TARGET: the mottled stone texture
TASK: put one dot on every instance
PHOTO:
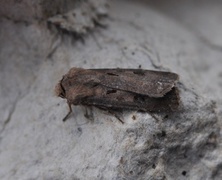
(36, 144)
(32, 10)
(81, 19)
(39, 10)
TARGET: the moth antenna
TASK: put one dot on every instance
(70, 111)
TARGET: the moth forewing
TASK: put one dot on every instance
(145, 82)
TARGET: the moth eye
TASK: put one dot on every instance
(112, 74)
(110, 91)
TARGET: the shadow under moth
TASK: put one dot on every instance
(118, 89)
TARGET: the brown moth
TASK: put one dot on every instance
(114, 89)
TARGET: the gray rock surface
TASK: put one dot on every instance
(36, 144)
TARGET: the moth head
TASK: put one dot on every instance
(59, 90)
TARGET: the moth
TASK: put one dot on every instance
(119, 89)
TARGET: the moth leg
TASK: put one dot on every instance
(111, 112)
(116, 116)
(88, 115)
(154, 116)
(70, 111)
